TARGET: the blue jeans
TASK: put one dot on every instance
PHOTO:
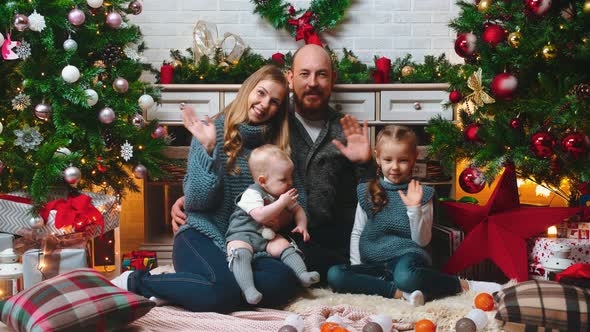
(407, 273)
(203, 281)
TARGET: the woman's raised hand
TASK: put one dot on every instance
(414, 195)
(203, 131)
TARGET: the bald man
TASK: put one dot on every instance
(331, 151)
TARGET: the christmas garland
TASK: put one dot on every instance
(303, 23)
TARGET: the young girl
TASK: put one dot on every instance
(217, 172)
(393, 224)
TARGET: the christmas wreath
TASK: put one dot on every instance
(303, 23)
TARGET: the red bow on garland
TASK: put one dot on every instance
(77, 212)
(305, 30)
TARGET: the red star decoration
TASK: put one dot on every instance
(499, 229)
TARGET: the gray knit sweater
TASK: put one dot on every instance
(209, 189)
(387, 234)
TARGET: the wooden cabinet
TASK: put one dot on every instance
(376, 103)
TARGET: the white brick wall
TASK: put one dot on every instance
(389, 28)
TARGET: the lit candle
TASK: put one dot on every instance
(552, 232)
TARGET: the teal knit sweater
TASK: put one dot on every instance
(387, 234)
(210, 190)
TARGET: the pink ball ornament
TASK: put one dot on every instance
(574, 145)
(455, 96)
(471, 180)
(542, 144)
(494, 34)
(538, 7)
(120, 85)
(465, 44)
(504, 86)
(138, 121)
(21, 22)
(76, 17)
(135, 7)
(140, 171)
(159, 132)
(114, 20)
(106, 115)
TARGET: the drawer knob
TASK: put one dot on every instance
(417, 106)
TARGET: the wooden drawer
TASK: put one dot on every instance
(359, 104)
(228, 97)
(400, 105)
(204, 103)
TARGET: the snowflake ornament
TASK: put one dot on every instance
(23, 50)
(21, 102)
(131, 51)
(28, 138)
(126, 151)
(36, 21)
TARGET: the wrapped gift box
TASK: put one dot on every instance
(16, 216)
(38, 266)
(539, 249)
(140, 260)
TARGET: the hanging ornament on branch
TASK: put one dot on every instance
(542, 144)
(479, 96)
(465, 44)
(574, 145)
(538, 7)
(76, 17)
(21, 22)
(504, 86)
(36, 22)
(472, 180)
(514, 39)
(494, 34)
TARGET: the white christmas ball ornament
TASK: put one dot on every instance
(145, 102)
(91, 97)
(479, 317)
(106, 115)
(72, 175)
(94, 3)
(70, 74)
(296, 321)
(1, 38)
(70, 45)
(36, 222)
(383, 320)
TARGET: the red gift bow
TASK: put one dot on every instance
(75, 211)
(305, 30)
(278, 58)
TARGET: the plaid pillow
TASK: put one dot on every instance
(76, 300)
(547, 304)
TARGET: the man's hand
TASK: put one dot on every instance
(414, 195)
(178, 217)
(358, 148)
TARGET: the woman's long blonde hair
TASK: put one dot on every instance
(394, 133)
(236, 113)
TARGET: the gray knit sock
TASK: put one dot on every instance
(241, 266)
(292, 259)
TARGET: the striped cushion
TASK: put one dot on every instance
(547, 304)
(76, 300)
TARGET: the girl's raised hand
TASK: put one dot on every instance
(414, 195)
(204, 132)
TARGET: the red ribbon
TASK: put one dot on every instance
(75, 211)
(304, 29)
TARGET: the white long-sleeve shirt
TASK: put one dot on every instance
(420, 227)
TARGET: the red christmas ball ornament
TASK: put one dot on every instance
(465, 44)
(574, 145)
(471, 180)
(542, 144)
(493, 34)
(504, 86)
(538, 7)
(455, 96)
(516, 123)
(470, 133)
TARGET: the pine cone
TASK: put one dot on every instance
(582, 91)
(112, 54)
(109, 139)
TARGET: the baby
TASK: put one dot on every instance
(257, 209)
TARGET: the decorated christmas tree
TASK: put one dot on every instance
(70, 99)
(522, 96)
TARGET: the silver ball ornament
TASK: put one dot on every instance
(120, 85)
(140, 171)
(372, 327)
(106, 115)
(91, 97)
(70, 45)
(465, 325)
(159, 132)
(114, 20)
(146, 102)
(36, 222)
(62, 152)
(72, 175)
(287, 328)
(43, 111)
(21, 22)
(70, 74)
(94, 3)
(135, 7)
(76, 17)
(138, 121)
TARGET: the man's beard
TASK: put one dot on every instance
(311, 112)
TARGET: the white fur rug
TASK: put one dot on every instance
(444, 312)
